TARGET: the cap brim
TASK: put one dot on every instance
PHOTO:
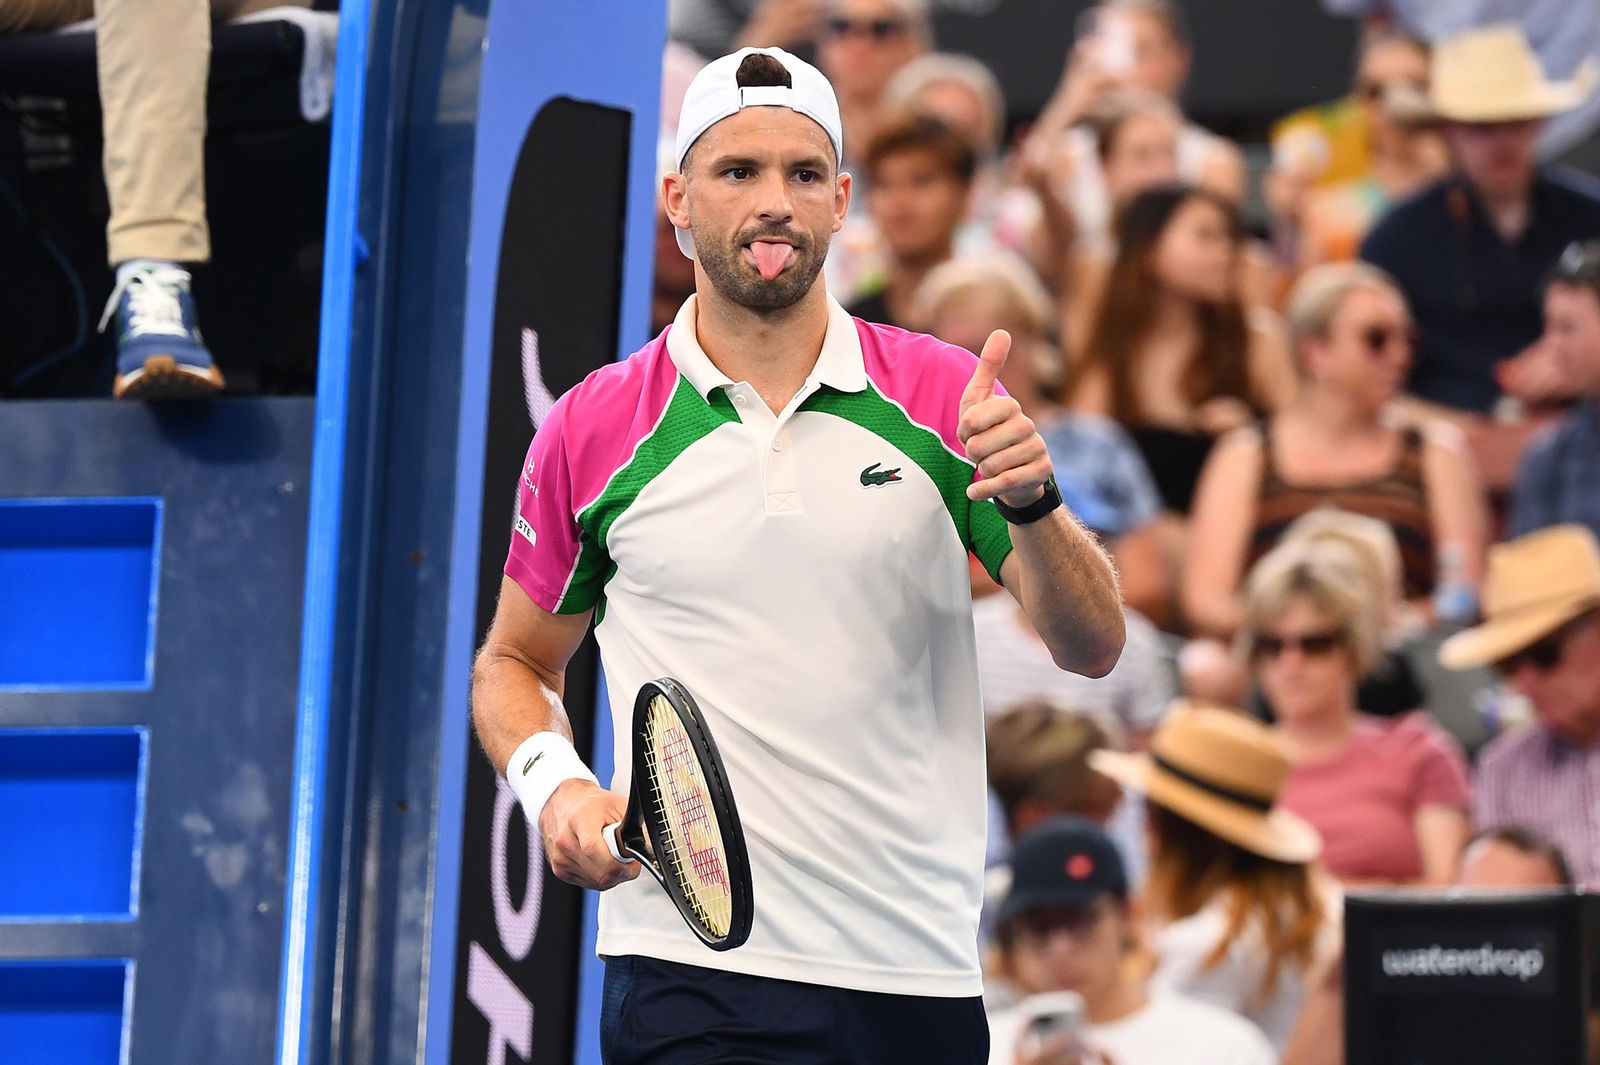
(1276, 834)
(1502, 637)
(1062, 896)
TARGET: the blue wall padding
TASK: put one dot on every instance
(55, 1012)
(77, 578)
(69, 817)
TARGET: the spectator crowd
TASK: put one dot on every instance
(1347, 460)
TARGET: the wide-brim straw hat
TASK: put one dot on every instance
(1492, 74)
(1223, 771)
(1535, 584)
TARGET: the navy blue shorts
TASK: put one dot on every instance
(663, 1013)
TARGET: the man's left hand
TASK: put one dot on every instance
(1002, 441)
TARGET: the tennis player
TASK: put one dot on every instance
(773, 503)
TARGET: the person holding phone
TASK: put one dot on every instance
(1067, 926)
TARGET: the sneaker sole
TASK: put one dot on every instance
(162, 377)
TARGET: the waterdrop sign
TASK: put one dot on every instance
(1456, 961)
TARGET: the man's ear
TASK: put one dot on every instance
(843, 188)
(674, 190)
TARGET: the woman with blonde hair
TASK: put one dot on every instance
(1099, 471)
(1388, 795)
(1239, 912)
(1342, 442)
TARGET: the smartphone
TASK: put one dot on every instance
(1052, 1015)
(1111, 36)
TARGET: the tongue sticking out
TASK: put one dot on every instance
(771, 258)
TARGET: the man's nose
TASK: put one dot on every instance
(774, 203)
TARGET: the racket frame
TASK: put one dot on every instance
(642, 835)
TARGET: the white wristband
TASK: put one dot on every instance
(539, 766)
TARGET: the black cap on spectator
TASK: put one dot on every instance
(1065, 863)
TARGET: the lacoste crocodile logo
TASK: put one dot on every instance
(531, 763)
(872, 477)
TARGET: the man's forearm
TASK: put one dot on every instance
(512, 700)
(1068, 588)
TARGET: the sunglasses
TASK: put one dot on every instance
(879, 29)
(1374, 90)
(1379, 339)
(1544, 655)
(1311, 645)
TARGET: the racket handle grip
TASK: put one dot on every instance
(610, 834)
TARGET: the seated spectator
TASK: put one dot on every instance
(1239, 913)
(1101, 475)
(964, 94)
(154, 60)
(1556, 480)
(1067, 925)
(919, 177)
(1038, 756)
(1339, 444)
(1326, 222)
(1471, 252)
(959, 91)
(861, 44)
(1170, 353)
(1128, 44)
(1511, 856)
(1038, 759)
(1541, 631)
(1389, 796)
(1330, 143)
(1014, 665)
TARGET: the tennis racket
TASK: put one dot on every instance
(681, 823)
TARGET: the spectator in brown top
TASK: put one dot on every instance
(1340, 444)
(919, 174)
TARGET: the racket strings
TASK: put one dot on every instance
(684, 803)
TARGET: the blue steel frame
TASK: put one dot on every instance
(529, 60)
(304, 940)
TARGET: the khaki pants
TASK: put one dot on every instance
(153, 59)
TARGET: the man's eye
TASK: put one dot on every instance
(805, 176)
(739, 173)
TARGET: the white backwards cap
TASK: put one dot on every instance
(715, 94)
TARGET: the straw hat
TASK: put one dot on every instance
(1491, 74)
(1223, 771)
(1535, 584)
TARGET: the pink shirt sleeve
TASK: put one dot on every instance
(546, 543)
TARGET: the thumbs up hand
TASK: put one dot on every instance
(1000, 440)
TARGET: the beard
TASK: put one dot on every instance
(736, 279)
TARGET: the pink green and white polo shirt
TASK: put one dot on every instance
(804, 575)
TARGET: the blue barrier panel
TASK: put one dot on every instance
(80, 583)
(59, 1012)
(70, 805)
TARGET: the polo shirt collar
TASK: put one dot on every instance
(840, 364)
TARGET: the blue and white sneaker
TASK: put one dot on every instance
(159, 351)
